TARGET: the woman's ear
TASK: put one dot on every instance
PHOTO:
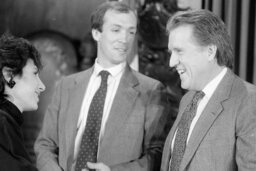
(7, 73)
(8, 76)
(96, 34)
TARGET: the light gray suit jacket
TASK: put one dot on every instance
(224, 138)
(134, 133)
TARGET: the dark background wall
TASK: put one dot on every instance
(71, 17)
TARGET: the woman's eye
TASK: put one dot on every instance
(36, 73)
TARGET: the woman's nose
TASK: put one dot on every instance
(41, 85)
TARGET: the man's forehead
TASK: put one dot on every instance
(116, 18)
(110, 13)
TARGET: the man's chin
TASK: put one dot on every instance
(184, 85)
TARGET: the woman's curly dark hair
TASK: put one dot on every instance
(14, 53)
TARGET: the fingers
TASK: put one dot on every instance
(98, 166)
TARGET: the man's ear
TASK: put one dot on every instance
(7, 73)
(96, 34)
(212, 51)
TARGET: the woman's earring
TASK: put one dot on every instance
(11, 83)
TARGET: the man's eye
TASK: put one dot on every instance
(115, 30)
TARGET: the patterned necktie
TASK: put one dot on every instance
(89, 144)
(183, 130)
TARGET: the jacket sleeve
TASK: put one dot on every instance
(156, 128)
(246, 134)
(46, 145)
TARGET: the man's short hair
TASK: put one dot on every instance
(208, 29)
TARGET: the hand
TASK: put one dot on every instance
(98, 166)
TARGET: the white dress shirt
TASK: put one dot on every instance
(208, 90)
(113, 81)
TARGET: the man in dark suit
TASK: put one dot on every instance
(217, 132)
(131, 131)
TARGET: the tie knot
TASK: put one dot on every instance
(198, 95)
(104, 75)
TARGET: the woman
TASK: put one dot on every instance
(20, 87)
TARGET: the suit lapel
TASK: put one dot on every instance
(75, 97)
(168, 144)
(212, 110)
(122, 105)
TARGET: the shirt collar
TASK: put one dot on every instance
(114, 71)
(212, 85)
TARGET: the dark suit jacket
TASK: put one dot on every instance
(13, 155)
(133, 138)
(224, 138)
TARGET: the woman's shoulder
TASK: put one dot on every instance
(10, 146)
(6, 119)
(5, 129)
(9, 129)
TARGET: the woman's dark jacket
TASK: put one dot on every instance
(13, 155)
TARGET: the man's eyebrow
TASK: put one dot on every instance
(116, 25)
(119, 25)
(176, 49)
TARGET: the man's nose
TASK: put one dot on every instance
(174, 60)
